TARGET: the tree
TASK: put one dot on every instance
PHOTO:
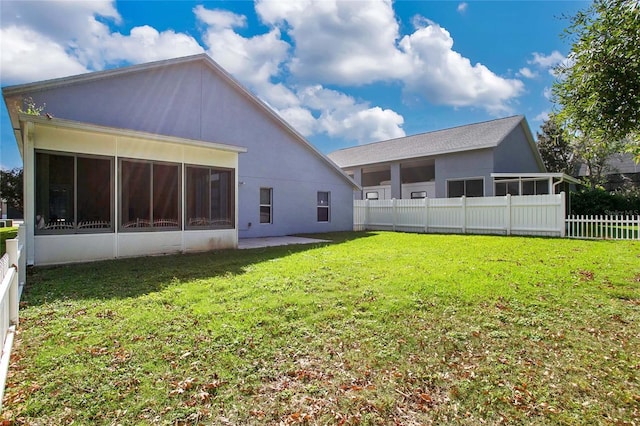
(11, 187)
(557, 153)
(598, 90)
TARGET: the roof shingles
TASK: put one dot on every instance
(487, 134)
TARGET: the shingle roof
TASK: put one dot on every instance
(617, 163)
(487, 134)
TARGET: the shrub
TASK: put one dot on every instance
(597, 201)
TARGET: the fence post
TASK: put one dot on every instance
(394, 214)
(425, 217)
(561, 215)
(463, 199)
(508, 214)
(12, 251)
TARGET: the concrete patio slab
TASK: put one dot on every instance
(251, 243)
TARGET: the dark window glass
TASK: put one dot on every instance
(474, 188)
(73, 193)
(542, 187)
(455, 188)
(210, 198)
(94, 193)
(528, 187)
(501, 189)
(323, 206)
(150, 195)
(166, 196)
(135, 202)
(265, 205)
(513, 188)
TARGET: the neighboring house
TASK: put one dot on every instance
(170, 156)
(620, 170)
(482, 159)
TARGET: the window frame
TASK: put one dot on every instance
(465, 180)
(75, 228)
(269, 206)
(231, 194)
(152, 226)
(321, 206)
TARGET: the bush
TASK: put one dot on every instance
(597, 201)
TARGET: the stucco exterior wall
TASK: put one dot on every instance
(190, 100)
(463, 165)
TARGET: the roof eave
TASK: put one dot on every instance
(76, 125)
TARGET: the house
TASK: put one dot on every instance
(620, 171)
(482, 159)
(169, 156)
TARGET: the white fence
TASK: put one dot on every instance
(12, 274)
(542, 215)
(604, 227)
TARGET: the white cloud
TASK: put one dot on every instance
(547, 61)
(340, 115)
(254, 60)
(343, 43)
(543, 116)
(29, 56)
(527, 73)
(57, 38)
(339, 42)
(443, 76)
(547, 93)
(462, 7)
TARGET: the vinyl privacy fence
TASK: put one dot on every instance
(538, 215)
(12, 275)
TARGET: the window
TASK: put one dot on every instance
(73, 193)
(266, 200)
(372, 195)
(521, 187)
(210, 198)
(150, 195)
(418, 195)
(324, 201)
(466, 187)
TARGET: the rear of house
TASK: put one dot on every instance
(157, 135)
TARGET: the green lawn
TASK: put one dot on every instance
(375, 328)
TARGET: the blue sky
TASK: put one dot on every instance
(341, 72)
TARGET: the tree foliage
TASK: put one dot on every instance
(11, 187)
(557, 153)
(598, 89)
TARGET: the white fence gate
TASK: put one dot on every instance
(604, 227)
(542, 215)
(12, 274)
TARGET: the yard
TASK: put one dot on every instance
(374, 328)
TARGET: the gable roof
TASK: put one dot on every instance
(12, 94)
(487, 134)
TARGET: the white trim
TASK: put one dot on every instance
(566, 178)
(113, 131)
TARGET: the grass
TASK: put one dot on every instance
(6, 234)
(374, 328)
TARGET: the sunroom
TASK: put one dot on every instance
(94, 192)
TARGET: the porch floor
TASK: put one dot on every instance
(251, 243)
